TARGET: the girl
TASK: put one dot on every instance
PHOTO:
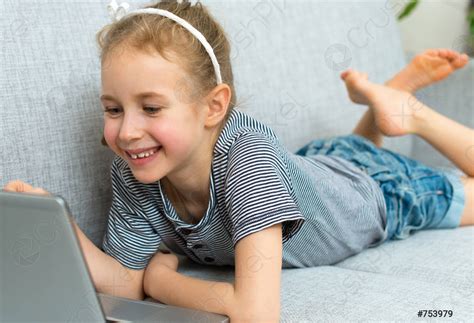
(217, 186)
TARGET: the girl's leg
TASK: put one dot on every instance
(398, 113)
(452, 139)
(426, 68)
(367, 128)
(442, 133)
(467, 217)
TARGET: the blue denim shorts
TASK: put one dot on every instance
(416, 196)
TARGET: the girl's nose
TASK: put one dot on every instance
(130, 129)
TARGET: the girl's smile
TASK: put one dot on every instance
(145, 157)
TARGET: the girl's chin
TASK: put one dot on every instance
(145, 178)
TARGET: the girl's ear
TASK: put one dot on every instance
(217, 104)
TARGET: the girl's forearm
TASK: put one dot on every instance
(173, 288)
(108, 275)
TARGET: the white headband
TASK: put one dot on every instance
(117, 12)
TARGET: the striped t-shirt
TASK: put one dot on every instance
(329, 208)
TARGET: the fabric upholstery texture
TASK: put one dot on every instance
(287, 57)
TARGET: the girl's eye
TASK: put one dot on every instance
(115, 111)
(111, 111)
(152, 110)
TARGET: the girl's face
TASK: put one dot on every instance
(145, 108)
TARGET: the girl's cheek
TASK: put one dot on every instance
(173, 136)
(110, 134)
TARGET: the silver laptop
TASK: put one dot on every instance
(44, 278)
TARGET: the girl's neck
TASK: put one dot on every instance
(189, 191)
(191, 186)
(189, 211)
(195, 198)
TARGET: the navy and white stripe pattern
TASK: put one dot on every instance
(329, 209)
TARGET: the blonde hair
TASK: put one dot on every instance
(149, 31)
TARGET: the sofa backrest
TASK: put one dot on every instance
(287, 58)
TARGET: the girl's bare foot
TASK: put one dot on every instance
(395, 111)
(426, 68)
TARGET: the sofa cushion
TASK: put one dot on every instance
(444, 257)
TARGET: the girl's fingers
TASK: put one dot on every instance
(17, 186)
(22, 187)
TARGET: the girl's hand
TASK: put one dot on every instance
(22, 187)
(169, 260)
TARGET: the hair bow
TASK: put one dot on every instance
(116, 11)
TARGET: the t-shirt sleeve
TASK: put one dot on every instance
(129, 236)
(258, 190)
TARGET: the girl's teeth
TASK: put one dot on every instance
(142, 155)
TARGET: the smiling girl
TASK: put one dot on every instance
(214, 184)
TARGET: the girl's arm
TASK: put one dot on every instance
(258, 261)
(110, 276)
(255, 294)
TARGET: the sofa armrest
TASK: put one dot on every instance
(454, 98)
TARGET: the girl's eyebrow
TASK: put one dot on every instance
(138, 96)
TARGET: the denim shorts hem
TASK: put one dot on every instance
(452, 218)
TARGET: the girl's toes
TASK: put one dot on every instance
(451, 52)
(431, 52)
(460, 60)
(444, 53)
(344, 74)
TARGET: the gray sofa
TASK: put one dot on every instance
(287, 57)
